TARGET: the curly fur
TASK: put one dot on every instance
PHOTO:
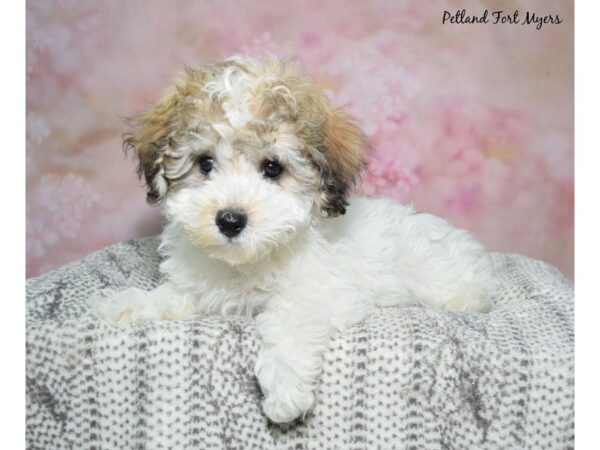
(303, 272)
(256, 96)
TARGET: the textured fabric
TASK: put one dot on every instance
(405, 378)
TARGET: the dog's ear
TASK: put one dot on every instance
(334, 140)
(343, 147)
(151, 140)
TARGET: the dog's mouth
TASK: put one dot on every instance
(236, 240)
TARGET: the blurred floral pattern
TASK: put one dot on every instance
(472, 122)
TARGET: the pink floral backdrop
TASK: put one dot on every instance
(471, 122)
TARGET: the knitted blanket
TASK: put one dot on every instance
(406, 378)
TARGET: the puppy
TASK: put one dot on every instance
(253, 164)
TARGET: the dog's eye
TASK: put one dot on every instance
(272, 169)
(206, 164)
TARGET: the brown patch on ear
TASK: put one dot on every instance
(335, 143)
(151, 140)
(343, 145)
(157, 131)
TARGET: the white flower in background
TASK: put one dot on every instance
(57, 208)
(37, 128)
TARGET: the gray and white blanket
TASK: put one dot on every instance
(406, 378)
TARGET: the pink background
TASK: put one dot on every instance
(471, 122)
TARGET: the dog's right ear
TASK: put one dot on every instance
(151, 140)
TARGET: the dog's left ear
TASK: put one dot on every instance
(343, 146)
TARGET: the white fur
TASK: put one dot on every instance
(329, 277)
(304, 277)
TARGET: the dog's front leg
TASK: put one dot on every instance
(295, 330)
(165, 302)
(289, 362)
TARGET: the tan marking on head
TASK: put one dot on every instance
(280, 100)
(159, 130)
(333, 140)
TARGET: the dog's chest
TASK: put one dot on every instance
(219, 288)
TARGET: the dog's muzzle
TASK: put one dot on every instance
(231, 222)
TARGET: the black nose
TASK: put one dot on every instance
(230, 222)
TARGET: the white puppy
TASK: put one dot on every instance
(253, 165)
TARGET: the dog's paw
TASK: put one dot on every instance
(288, 396)
(122, 308)
(286, 405)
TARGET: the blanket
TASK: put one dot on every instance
(407, 378)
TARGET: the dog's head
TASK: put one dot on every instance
(244, 154)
